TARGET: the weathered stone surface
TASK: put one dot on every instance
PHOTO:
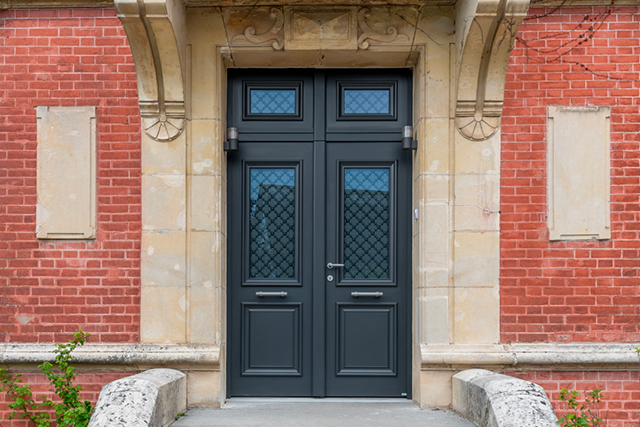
(152, 398)
(494, 400)
(66, 177)
(578, 180)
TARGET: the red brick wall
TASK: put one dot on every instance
(91, 384)
(620, 396)
(50, 289)
(570, 291)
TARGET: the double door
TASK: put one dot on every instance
(319, 233)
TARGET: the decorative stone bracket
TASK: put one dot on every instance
(155, 29)
(486, 30)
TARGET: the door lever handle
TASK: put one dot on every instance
(367, 294)
(271, 294)
(331, 265)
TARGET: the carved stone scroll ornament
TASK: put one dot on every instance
(368, 34)
(271, 36)
(486, 31)
(156, 55)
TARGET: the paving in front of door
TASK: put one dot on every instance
(320, 413)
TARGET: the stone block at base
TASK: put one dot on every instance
(493, 400)
(149, 399)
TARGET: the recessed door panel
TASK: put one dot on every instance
(272, 339)
(367, 339)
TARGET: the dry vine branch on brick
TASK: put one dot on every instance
(585, 36)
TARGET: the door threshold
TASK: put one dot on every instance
(232, 400)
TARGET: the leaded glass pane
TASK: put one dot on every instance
(272, 223)
(366, 223)
(273, 101)
(370, 101)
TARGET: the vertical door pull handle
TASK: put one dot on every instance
(271, 294)
(366, 294)
(331, 265)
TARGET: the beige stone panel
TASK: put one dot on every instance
(204, 315)
(579, 173)
(162, 314)
(206, 144)
(203, 37)
(163, 157)
(205, 255)
(203, 389)
(163, 202)
(162, 260)
(436, 26)
(476, 259)
(477, 202)
(433, 217)
(476, 316)
(66, 173)
(374, 57)
(320, 28)
(434, 309)
(434, 250)
(436, 31)
(433, 188)
(205, 25)
(477, 157)
(433, 145)
(206, 202)
(435, 389)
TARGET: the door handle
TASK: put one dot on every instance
(367, 294)
(271, 294)
(331, 265)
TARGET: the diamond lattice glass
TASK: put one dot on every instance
(273, 101)
(272, 223)
(366, 223)
(371, 101)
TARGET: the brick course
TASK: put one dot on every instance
(570, 291)
(620, 396)
(72, 57)
(91, 384)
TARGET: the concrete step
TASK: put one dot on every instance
(321, 413)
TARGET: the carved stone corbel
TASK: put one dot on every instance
(485, 32)
(155, 29)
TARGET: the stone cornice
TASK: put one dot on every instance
(184, 356)
(47, 4)
(574, 356)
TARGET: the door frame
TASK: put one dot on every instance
(320, 139)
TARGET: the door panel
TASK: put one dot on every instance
(319, 178)
(272, 339)
(367, 340)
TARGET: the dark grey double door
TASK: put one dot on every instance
(319, 179)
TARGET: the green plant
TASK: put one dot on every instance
(70, 410)
(578, 414)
